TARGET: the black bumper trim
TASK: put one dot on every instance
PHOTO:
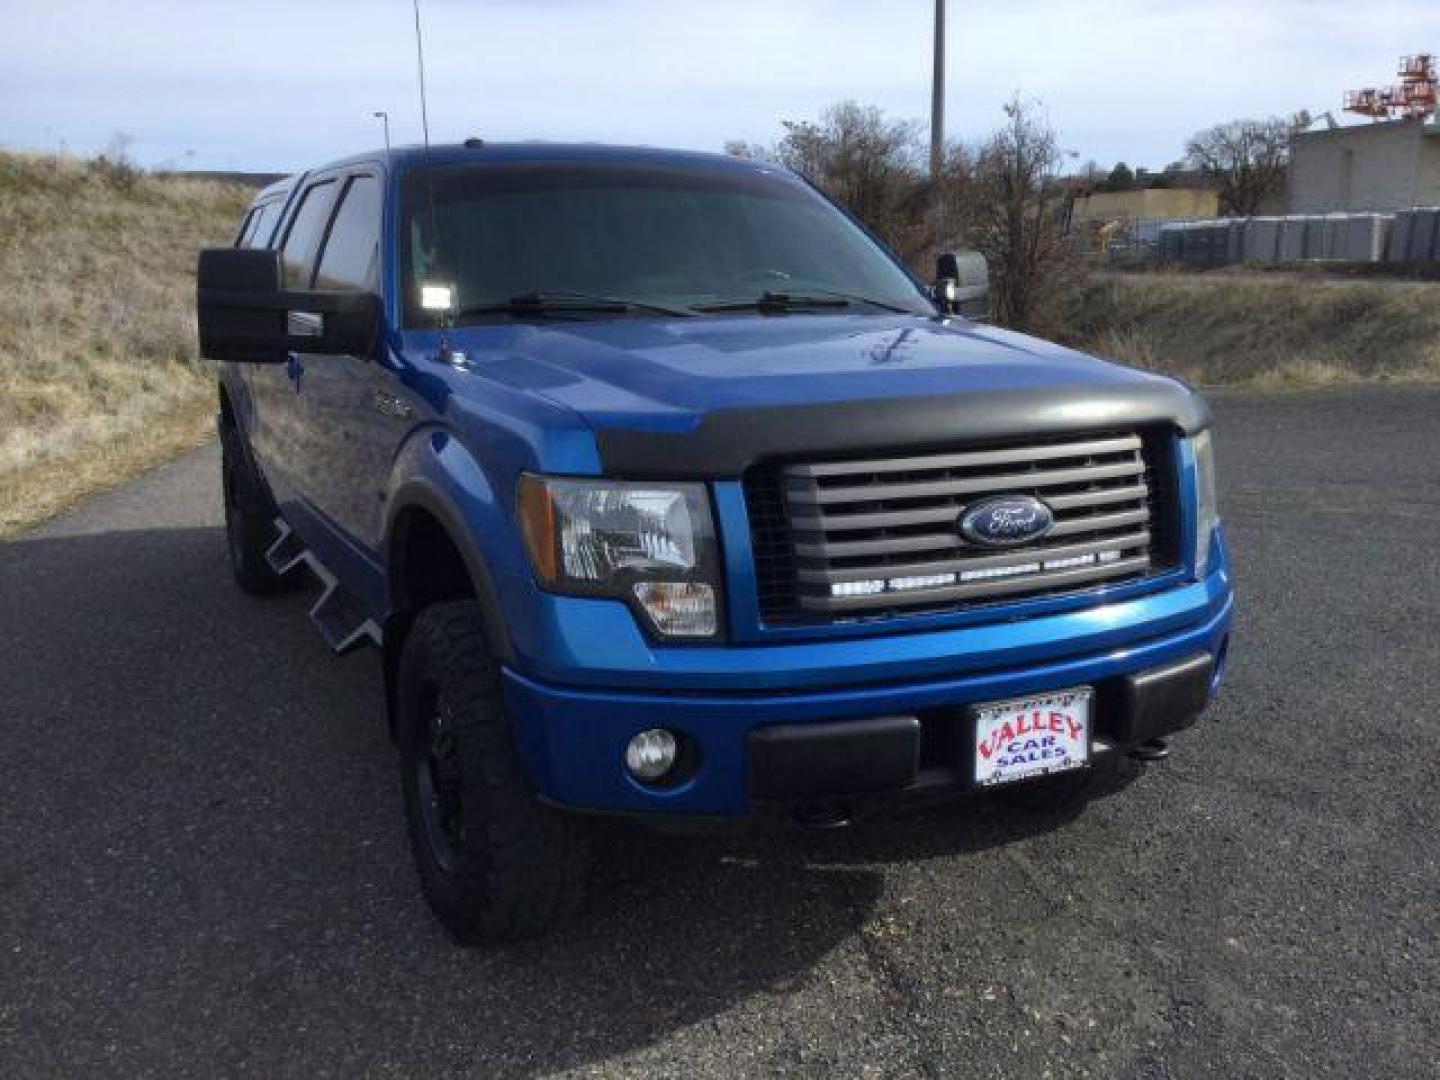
(795, 763)
(1160, 701)
(835, 761)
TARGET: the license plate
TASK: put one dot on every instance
(1034, 736)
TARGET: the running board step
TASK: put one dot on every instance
(338, 616)
(288, 550)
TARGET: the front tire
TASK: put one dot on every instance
(494, 864)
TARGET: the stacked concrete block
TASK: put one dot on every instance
(1397, 250)
(1415, 236)
(1360, 238)
(1425, 235)
(1261, 239)
(1332, 238)
(1235, 240)
(1407, 236)
(1172, 242)
(1207, 243)
(1292, 239)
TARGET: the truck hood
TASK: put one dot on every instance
(708, 396)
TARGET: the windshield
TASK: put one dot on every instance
(663, 235)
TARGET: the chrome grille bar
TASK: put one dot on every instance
(803, 494)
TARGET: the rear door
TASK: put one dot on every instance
(256, 232)
(284, 444)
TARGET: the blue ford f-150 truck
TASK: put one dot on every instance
(667, 492)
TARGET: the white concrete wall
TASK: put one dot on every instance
(1384, 166)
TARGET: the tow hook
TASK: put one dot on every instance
(824, 816)
(1154, 750)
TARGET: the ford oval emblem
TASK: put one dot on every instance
(1006, 521)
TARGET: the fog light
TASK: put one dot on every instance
(651, 754)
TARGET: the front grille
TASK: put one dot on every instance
(876, 538)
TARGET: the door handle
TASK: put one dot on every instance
(294, 369)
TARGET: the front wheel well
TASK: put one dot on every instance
(425, 568)
(227, 410)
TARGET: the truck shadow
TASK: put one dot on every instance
(213, 796)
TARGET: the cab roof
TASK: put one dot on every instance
(405, 158)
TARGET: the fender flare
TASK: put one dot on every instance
(421, 494)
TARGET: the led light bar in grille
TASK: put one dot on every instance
(936, 581)
(880, 537)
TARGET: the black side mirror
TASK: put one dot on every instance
(245, 312)
(962, 284)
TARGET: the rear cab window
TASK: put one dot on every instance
(242, 237)
(259, 224)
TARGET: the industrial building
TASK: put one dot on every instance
(1387, 165)
(1173, 202)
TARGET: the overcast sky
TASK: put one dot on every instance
(281, 84)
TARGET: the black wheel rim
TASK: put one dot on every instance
(439, 790)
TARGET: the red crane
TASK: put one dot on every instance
(1412, 98)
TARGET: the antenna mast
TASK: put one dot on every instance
(420, 63)
(444, 313)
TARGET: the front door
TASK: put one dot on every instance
(357, 412)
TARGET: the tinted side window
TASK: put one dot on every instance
(262, 225)
(242, 238)
(257, 229)
(307, 229)
(348, 261)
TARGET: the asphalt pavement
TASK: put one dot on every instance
(203, 870)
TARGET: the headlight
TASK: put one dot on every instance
(1207, 513)
(651, 545)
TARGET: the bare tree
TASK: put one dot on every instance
(1245, 159)
(1001, 198)
(873, 165)
(1010, 209)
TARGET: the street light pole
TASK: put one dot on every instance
(937, 98)
(384, 118)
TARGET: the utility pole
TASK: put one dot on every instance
(937, 98)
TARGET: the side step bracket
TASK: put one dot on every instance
(338, 616)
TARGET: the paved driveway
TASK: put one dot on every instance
(203, 870)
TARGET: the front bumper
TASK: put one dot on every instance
(572, 738)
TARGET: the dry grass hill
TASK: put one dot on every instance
(1263, 329)
(98, 369)
(99, 376)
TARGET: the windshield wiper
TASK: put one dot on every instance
(563, 300)
(812, 298)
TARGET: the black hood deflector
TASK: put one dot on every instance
(728, 441)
